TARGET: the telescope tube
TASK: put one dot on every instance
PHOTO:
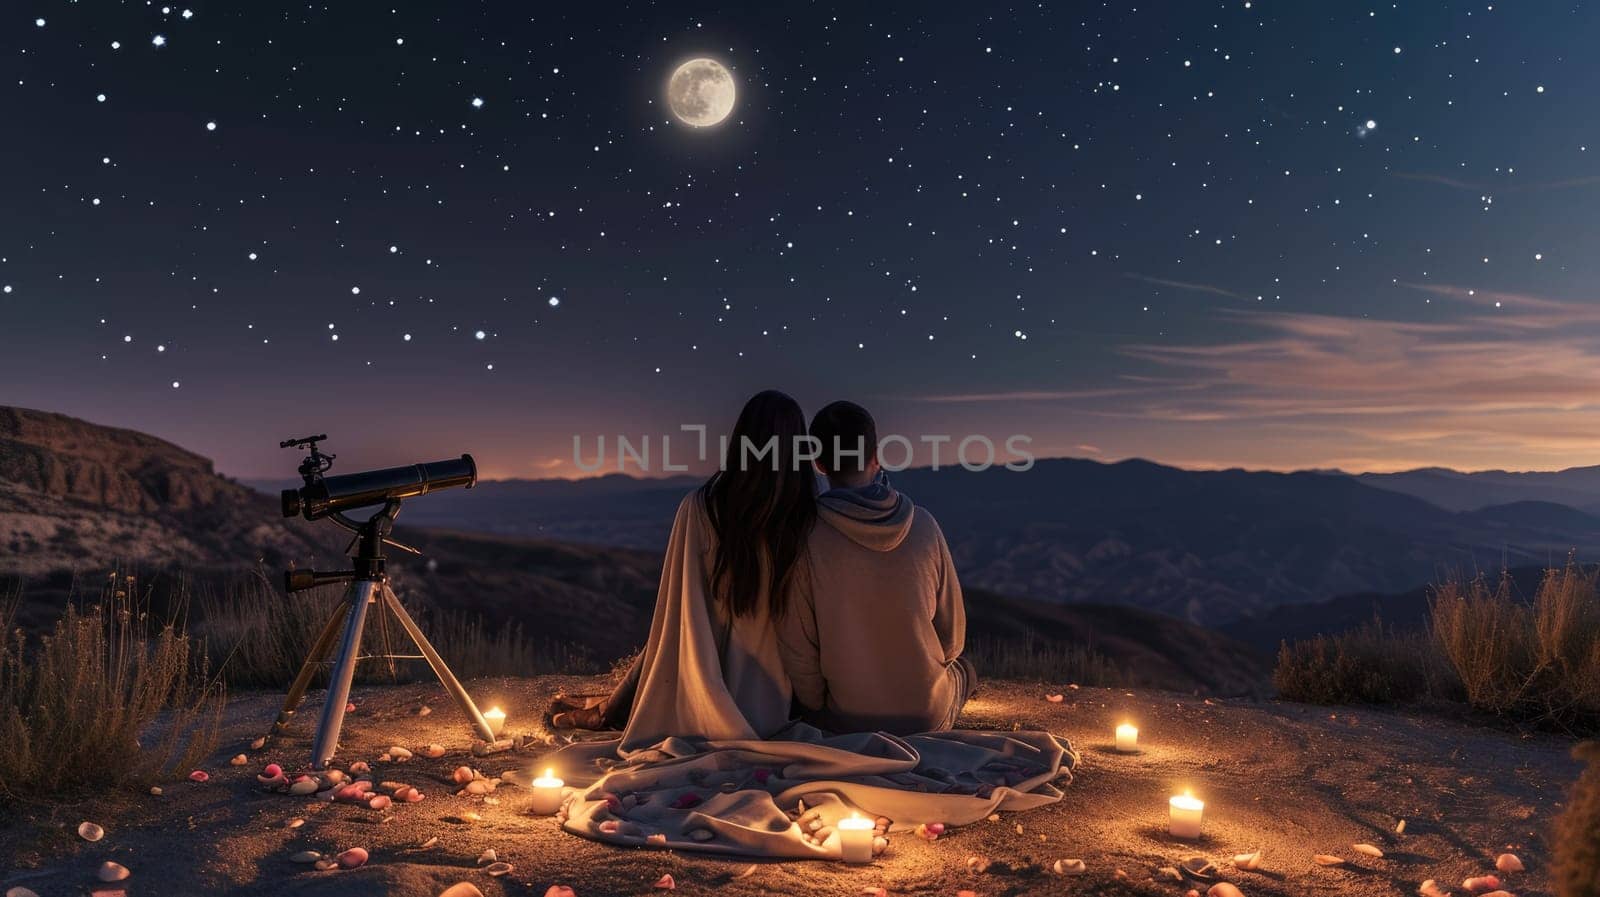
(375, 487)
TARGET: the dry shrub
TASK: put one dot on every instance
(1034, 658)
(262, 637)
(1368, 665)
(109, 697)
(1577, 844)
(1538, 663)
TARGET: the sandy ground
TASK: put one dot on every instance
(1289, 780)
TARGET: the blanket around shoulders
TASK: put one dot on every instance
(707, 761)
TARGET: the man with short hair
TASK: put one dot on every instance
(875, 626)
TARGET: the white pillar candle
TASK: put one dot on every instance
(1186, 811)
(1127, 737)
(547, 794)
(496, 718)
(855, 839)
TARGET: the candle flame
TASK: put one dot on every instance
(496, 711)
(549, 772)
(1188, 793)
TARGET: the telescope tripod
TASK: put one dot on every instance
(368, 586)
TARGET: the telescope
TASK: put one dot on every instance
(367, 585)
(322, 495)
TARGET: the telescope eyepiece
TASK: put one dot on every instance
(291, 502)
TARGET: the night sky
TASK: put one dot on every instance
(1270, 234)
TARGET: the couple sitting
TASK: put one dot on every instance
(845, 602)
(841, 609)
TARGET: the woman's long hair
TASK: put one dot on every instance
(761, 508)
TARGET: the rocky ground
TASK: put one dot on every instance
(1288, 780)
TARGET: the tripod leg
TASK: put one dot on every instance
(449, 680)
(327, 741)
(319, 651)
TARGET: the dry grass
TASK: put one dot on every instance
(1369, 665)
(261, 637)
(1040, 660)
(1535, 663)
(110, 697)
(1577, 849)
(1538, 663)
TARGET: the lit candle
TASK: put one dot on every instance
(547, 793)
(1127, 738)
(1186, 811)
(855, 839)
(496, 718)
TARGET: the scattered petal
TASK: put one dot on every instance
(1431, 889)
(199, 775)
(1327, 859)
(978, 864)
(1248, 861)
(1505, 862)
(305, 856)
(1069, 867)
(665, 882)
(1367, 849)
(238, 760)
(434, 751)
(747, 872)
(496, 870)
(488, 856)
(1055, 699)
(1482, 884)
(354, 857)
(1400, 827)
(110, 871)
(1169, 873)
(88, 831)
(559, 891)
(1224, 889)
(461, 889)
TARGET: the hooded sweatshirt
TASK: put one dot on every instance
(872, 627)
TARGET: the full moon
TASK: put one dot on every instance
(701, 92)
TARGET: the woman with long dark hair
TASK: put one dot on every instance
(711, 666)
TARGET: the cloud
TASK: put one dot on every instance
(1501, 189)
(1507, 373)
(1185, 285)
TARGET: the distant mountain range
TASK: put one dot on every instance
(1577, 487)
(77, 499)
(1207, 546)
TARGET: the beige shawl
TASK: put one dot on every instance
(709, 761)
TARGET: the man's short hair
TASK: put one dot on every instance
(847, 435)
